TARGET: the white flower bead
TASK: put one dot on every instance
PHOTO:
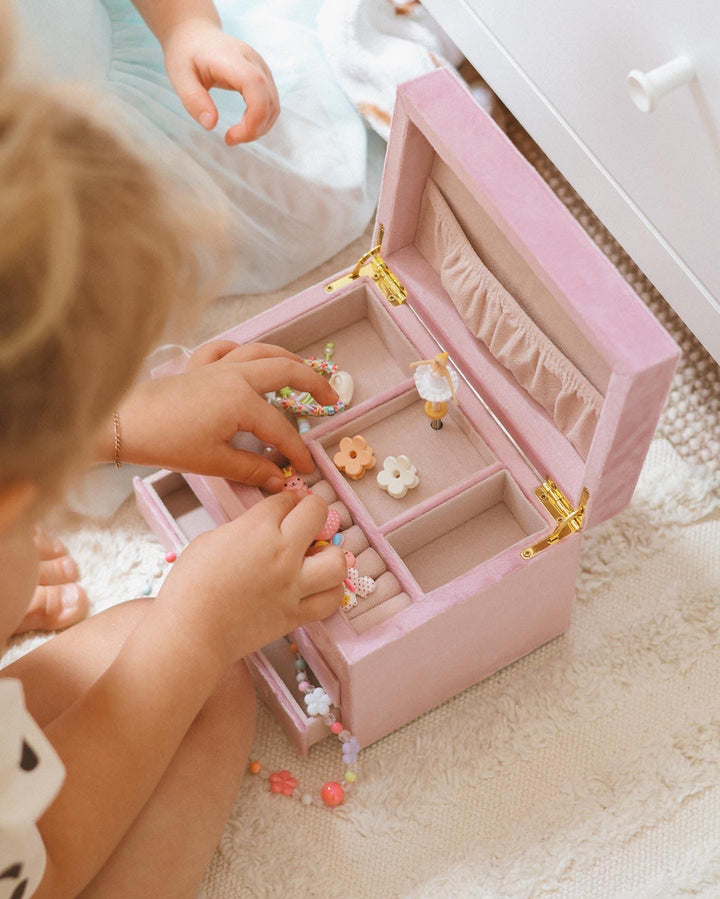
(398, 475)
(317, 702)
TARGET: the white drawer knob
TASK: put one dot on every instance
(646, 88)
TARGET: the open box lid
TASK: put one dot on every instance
(539, 280)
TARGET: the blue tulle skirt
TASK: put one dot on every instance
(294, 197)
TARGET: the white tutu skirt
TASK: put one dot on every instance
(433, 387)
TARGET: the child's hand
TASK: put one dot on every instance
(186, 422)
(248, 582)
(199, 56)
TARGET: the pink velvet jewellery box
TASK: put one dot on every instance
(563, 373)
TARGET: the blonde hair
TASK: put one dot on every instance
(93, 254)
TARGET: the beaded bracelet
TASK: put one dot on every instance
(306, 405)
(318, 704)
(306, 408)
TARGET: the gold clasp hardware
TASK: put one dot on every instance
(569, 520)
(374, 266)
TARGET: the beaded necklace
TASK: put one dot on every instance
(318, 703)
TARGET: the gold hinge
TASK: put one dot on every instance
(374, 266)
(569, 520)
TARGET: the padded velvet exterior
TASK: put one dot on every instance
(435, 120)
(456, 600)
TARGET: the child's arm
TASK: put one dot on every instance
(232, 590)
(199, 56)
(186, 422)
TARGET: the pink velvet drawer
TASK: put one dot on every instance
(563, 374)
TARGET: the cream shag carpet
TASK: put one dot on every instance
(590, 768)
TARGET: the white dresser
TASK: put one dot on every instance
(652, 177)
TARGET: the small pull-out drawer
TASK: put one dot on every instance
(273, 671)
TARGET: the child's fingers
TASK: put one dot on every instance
(303, 521)
(229, 351)
(321, 605)
(211, 352)
(324, 570)
(265, 375)
(270, 425)
(48, 547)
(61, 570)
(245, 467)
(196, 99)
(261, 99)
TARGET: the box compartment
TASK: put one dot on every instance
(173, 510)
(466, 531)
(368, 344)
(444, 458)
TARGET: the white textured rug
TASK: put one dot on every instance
(591, 768)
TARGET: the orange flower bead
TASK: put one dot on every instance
(354, 457)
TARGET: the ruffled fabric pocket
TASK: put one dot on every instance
(493, 315)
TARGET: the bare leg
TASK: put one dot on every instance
(59, 600)
(166, 851)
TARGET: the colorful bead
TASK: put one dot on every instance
(254, 767)
(332, 794)
(304, 686)
(312, 409)
(350, 776)
(336, 727)
(170, 557)
(293, 648)
(147, 589)
(324, 366)
(337, 539)
(350, 751)
(354, 457)
(306, 799)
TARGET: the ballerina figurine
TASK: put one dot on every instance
(436, 383)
